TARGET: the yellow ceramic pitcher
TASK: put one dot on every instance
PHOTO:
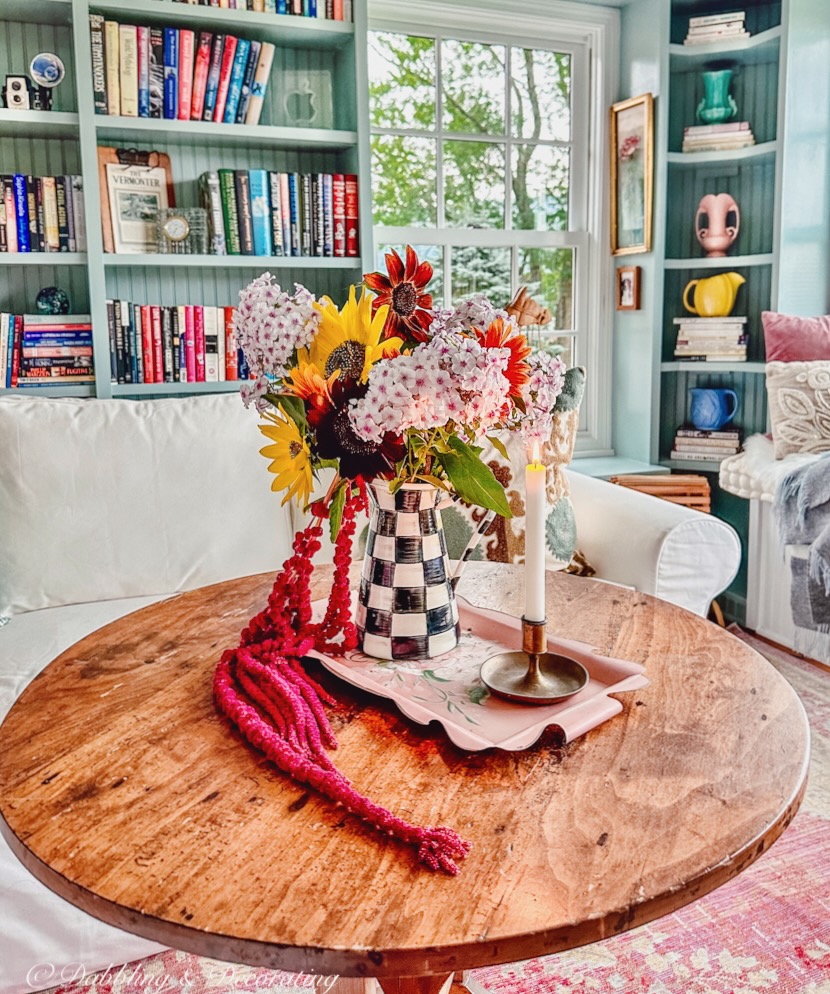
(714, 297)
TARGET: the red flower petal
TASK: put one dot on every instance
(411, 263)
(379, 282)
(422, 275)
(394, 265)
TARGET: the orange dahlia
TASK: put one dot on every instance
(410, 313)
(503, 334)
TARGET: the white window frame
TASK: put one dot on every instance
(591, 35)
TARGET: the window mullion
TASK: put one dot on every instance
(439, 141)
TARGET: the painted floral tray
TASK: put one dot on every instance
(448, 689)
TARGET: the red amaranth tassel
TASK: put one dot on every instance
(264, 690)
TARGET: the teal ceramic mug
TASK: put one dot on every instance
(711, 409)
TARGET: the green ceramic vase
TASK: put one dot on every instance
(718, 104)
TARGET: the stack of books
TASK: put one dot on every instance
(717, 137)
(711, 339)
(706, 446)
(186, 343)
(42, 214)
(177, 74)
(256, 212)
(333, 10)
(41, 350)
(716, 27)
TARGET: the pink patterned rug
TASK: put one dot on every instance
(766, 932)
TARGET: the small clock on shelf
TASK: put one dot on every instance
(182, 231)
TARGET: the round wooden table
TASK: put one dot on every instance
(123, 791)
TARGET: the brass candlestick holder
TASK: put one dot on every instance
(533, 676)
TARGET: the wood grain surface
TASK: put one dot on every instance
(123, 791)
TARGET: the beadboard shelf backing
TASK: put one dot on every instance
(761, 15)
(37, 11)
(21, 38)
(38, 124)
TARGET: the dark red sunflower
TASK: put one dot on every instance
(502, 334)
(410, 309)
(336, 438)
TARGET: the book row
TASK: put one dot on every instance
(38, 350)
(333, 10)
(179, 344)
(711, 339)
(707, 446)
(42, 214)
(177, 73)
(256, 212)
(717, 138)
(716, 27)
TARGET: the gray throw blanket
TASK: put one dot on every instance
(802, 512)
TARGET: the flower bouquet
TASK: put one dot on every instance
(395, 396)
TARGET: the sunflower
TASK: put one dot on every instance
(402, 291)
(349, 340)
(291, 458)
(501, 334)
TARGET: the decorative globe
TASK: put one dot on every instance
(52, 300)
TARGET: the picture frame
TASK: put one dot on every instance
(632, 174)
(628, 288)
(140, 182)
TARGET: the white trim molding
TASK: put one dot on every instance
(594, 32)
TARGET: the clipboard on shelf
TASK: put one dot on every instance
(132, 163)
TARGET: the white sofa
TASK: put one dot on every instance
(107, 506)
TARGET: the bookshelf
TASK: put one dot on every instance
(752, 176)
(65, 140)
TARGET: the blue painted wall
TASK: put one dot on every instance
(804, 274)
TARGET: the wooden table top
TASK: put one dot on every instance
(124, 791)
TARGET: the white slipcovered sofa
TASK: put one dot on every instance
(107, 506)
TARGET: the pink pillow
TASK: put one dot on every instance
(792, 339)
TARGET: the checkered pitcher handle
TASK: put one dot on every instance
(406, 602)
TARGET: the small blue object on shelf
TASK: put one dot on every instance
(52, 300)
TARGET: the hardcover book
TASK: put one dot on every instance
(128, 56)
(212, 87)
(143, 72)
(231, 354)
(260, 211)
(277, 247)
(210, 195)
(294, 207)
(230, 211)
(247, 82)
(99, 71)
(240, 61)
(51, 231)
(243, 203)
(112, 45)
(260, 83)
(171, 73)
(196, 316)
(338, 197)
(156, 72)
(186, 56)
(201, 68)
(352, 216)
(228, 56)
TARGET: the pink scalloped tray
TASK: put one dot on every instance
(449, 690)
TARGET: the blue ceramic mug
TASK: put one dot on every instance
(710, 409)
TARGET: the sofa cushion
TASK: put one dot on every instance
(793, 339)
(799, 406)
(104, 499)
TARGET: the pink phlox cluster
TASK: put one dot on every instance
(540, 393)
(475, 312)
(270, 324)
(451, 379)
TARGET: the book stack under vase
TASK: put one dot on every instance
(42, 214)
(332, 10)
(722, 339)
(177, 74)
(257, 212)
(717, 137)
(39, 350)
(709, 28)
(706, 446)
(185, 343)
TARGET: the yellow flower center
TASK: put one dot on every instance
(349, 357)
(294, 449)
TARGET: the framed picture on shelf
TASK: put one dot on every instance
(628, 288)
(632, 174)
(135, 186)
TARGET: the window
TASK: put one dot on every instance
(481, 159)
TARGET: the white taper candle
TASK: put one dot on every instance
(535, 479)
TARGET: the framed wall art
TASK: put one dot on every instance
(628, 288)
(632, 174)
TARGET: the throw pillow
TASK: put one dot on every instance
(799, 406)
(794, 339)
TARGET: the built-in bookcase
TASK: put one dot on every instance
(65, 140)
(752, 176)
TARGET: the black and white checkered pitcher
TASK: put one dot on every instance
(406, 604)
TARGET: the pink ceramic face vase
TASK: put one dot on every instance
(717, 223)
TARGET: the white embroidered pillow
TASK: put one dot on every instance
(799, 406)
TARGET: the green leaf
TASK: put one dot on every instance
(428, 478)
(498, 445)
(472, 480)
(292, 406)
(338, 502)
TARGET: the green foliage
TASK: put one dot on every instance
(338, 503)
(471, 479)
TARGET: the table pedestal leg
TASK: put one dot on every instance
(345, 985)
(416, 985)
